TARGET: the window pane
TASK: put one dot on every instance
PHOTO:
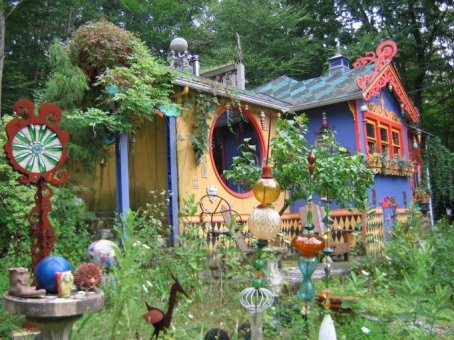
(385, 150)
(396, 139)
(370, 128)
(371, 147)
(384, 134)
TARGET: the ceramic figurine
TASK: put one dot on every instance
(18, 281)
(65, 282)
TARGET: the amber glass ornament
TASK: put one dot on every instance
(308, 244)
(264, 222)
(267, 189)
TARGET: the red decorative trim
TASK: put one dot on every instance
(389, 202)
(382, 56)
(356, 121)
(383, 73)
(257, 128)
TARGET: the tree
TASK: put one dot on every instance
(422, 30)
(339, 176)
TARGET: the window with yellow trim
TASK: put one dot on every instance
(371, 137)
(396, 142)
(384, 139)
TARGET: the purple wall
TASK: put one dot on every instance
(340, 118)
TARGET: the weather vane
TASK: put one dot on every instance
(37, 149)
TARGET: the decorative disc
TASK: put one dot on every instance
(37, 148)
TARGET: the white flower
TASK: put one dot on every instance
(190, 316)
(146, 246)
(388, 258)
(364, 272)
(365, 330)
(384, 274)
(145, 288)
(149, 284)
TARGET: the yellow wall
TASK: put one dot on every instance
(190, 178)
(147, 166)
(147, 170)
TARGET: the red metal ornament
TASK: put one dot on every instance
(37, 149)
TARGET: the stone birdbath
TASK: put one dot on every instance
(53, 315)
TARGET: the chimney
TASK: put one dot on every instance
(338, 64)
(196, 65)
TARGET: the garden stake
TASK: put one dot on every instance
(37, 149)
(264, 223)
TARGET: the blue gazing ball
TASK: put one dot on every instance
(45, 272)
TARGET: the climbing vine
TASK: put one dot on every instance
(440, 162)
(203, 104)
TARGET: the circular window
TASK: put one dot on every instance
(229, 131)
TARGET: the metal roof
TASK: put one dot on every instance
(316, 92)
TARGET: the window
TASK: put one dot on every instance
(385, 150)
(383, 137)
(371, 138)
(396, 143)
(229, 131)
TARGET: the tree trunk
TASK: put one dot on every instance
(2, 51)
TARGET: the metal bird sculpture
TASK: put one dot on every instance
(159, 319)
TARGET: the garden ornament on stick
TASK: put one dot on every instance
(159, 319)
(37, 149)
(264, 223)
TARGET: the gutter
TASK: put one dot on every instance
(224, 91)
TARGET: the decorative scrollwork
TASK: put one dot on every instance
(384, 53)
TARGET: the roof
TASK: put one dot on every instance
(251, 97)
(316, 92)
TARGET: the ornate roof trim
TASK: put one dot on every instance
(383, 74)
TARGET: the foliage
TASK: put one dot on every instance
(338, 175)
(134, 93)
(202, 107)
(440, 162)
(244, 168)
(99, 45)
(67, 84)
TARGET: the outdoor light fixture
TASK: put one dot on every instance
(325, 121)
(402, 111)
(363, 108)
(415, 143)
(390, 86)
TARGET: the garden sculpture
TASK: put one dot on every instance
(87, 276)
(18, 282)
(160, 320)
(37, 149)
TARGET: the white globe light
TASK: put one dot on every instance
(264, 222)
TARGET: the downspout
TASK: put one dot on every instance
(173, 213)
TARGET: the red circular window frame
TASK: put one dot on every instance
(258, 130)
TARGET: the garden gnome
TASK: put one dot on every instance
(18, 278)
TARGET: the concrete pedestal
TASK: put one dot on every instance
(54, 316)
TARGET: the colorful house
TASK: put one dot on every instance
(368, 106)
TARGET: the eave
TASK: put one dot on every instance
(206, 85)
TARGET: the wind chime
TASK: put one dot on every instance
(264, 223)
(37, 149)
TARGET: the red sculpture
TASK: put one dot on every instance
(37, 149)
(160, 320)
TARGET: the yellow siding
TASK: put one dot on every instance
(190, 178)
(147, 171)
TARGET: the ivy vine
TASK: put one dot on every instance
(204, 104)
(440, 162)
